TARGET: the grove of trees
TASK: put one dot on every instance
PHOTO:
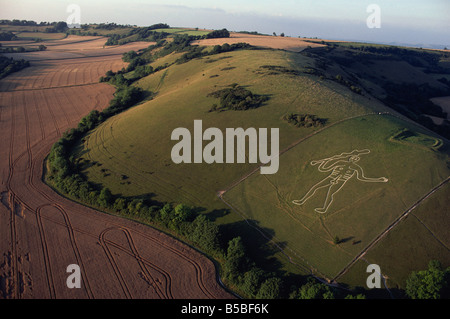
(7, 36)
(236, 98)
(304, 120)
(433, 283)
(9, 65)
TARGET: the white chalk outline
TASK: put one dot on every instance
(343, 167)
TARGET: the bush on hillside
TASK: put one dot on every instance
(236, 98)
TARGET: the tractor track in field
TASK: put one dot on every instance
(162, 289)
(36, 108)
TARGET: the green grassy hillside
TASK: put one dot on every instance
(139, 140)
(130, 154)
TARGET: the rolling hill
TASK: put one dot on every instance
(351, 115)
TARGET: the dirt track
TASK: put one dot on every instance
(41, 233)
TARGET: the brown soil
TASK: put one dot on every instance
(284, 43)
(41, 232)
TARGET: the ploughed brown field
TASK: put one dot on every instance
(274, 42)
(41, 233)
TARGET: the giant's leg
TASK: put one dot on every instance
(326, 182)
(333, 190)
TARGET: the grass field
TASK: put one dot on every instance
(421, 237)
(130, 154)
(190, 83)
(359, 211)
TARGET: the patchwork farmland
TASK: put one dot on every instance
(88, 178)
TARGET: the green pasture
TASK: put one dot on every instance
(137, 143)
(360, 210)
(130, 154)
(421, 237)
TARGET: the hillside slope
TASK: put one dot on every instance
(131, 155)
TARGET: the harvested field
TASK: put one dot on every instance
(51, 74)
(74, 47)
(42, 233)
(284, 43)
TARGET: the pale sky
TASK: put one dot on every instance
(422, 22)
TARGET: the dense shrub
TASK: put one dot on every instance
(433, 283)
(304, 120)
(135, 34)
(57, 27)
(235, 259)
(224, 33)
(7, 36)
(270, 289)
(9, 65)
(313, 290)
(236, 98)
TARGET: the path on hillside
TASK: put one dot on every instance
(389, 228)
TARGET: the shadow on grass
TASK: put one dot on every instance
(258, 242)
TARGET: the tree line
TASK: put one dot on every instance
(411, 99)
(19, 49)
(7, 36)
(9, 65)
(138, 63)
(17, 22)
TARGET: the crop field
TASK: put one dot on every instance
(40, 35)
(74, 47)
(275, 42)
(41, 232)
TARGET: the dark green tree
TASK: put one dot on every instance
(270, 289)
(313, 290)
(252, 281)
(182, 213)
(105, 197)
(235, 258)
(224, 33)
(204, 233)
(428, 284)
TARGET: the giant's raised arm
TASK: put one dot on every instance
(360, 175)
